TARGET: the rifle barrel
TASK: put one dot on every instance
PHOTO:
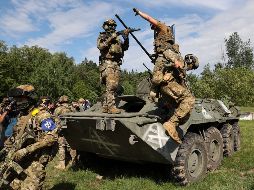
(134, 37)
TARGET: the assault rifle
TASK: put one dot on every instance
(10, 105)
(126, 31)
(148, 54)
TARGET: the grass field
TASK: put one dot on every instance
(236, 172)
(247, 109)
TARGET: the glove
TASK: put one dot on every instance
(153, 96)
(136, 11)
(8, 108)
(126, 31)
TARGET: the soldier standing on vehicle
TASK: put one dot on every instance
(169, 73)
(112, 51)
(63, 146)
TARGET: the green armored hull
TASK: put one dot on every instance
(137, 134)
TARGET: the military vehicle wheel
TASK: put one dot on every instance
(214, 145)
(237, 136)
(228, 140)
(191, 160)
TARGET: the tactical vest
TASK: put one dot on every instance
(43, 114)
(114, 50)
(163, 38)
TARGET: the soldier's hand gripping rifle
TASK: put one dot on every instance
(148, 54)
(126, 31)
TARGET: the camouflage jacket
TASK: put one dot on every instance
(163, 38)
(111, 48)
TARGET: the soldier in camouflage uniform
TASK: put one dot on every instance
(169, 73)
(112, 51)
(63, 146)
(34, 156)
(25, 97)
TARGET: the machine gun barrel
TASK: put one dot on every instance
(149, 55)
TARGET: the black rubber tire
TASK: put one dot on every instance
(228, 140)
(214, 145)
(191, 160)
(237, 136)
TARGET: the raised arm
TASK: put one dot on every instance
(146, 17)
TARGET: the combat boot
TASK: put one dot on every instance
(171, 129)
(104, 109)
(114, 110)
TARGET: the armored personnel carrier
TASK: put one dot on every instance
(137, 135)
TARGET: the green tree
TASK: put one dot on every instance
(4, 74)
(237, 84)
(204, 86)
(239, 53)
(54, 77)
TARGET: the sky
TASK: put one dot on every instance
(72, 26)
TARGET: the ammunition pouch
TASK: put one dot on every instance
(168, 77)
(170, 56)
(115, 49)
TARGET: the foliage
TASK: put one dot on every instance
(235, 84)
(240, 54)
(233, 80)
(55, 74)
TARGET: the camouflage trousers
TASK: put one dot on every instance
(109, 76)
(35, 172)
(183, 98)
(173, 90)
(63, 149)
(34, 180)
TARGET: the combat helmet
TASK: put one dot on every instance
(63, 99)
(22, 90)
(44, 100)
(25, 96)
(109, 22)
(191, 61)
(81, 100)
